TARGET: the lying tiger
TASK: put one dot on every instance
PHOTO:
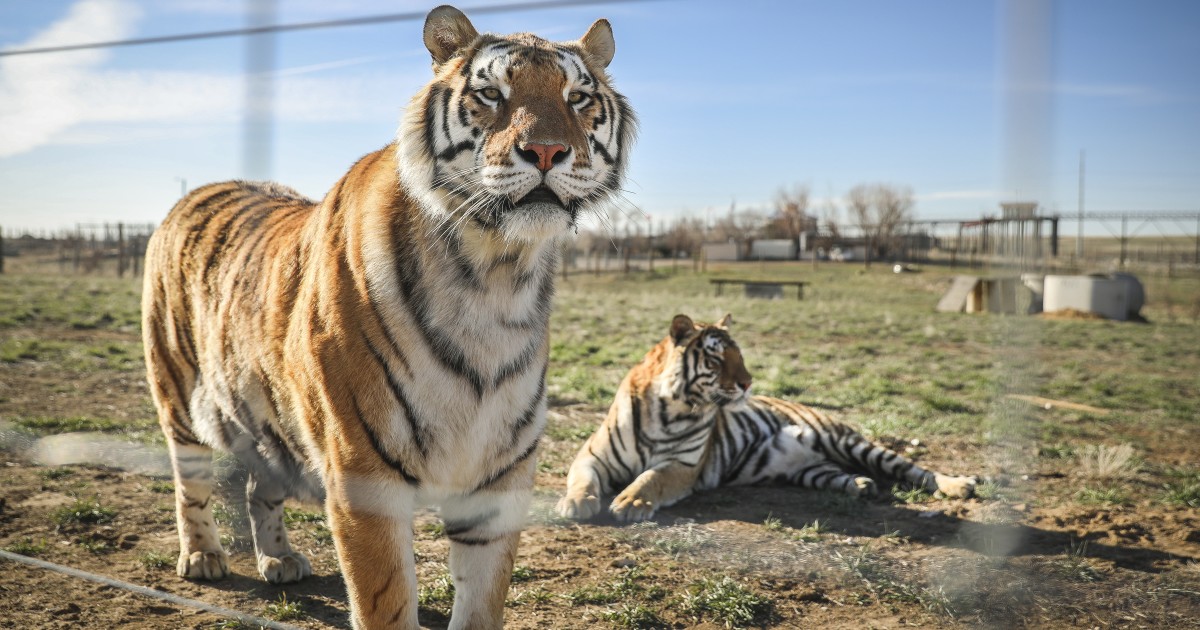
(684, 420)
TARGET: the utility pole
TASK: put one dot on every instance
(1079, 239)
(258, 132)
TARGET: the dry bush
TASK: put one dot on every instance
(1105, 462)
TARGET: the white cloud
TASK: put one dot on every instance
(46, 99)
(37, 91)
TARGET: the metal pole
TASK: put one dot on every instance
(1123, 240)
(258, 116)
(121, 261)
(1079, 239)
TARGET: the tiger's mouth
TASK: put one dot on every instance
(724, 397)
(541, 194)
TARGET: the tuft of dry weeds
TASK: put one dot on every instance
(1101, 461)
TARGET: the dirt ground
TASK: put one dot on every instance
(1024, 556)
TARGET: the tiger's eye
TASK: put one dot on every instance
(491, 93)
(576, 98)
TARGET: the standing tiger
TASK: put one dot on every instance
(386, 347)
(684, 420)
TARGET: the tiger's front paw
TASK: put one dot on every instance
(579, 506)
(956, 487)
(203, 565)
(629, 508)
(284, 569)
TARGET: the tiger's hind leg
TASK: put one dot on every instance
(200, 552)
(829, 475)
(888, 464)
(277, 562)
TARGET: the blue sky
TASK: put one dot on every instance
(736, 100)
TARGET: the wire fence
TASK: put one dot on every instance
(88, 248)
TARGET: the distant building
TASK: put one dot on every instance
(773, 249)
(722, 251)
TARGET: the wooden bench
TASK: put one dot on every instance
(762, 287)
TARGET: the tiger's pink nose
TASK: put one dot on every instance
(744, 385)
(543, 156)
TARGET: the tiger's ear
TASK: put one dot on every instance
(447, 31)
(725, 321)
(681, 327)
(599, 42)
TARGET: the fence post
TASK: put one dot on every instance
(122, 261)
(76, 243)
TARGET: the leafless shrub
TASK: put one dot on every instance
(1104, 462)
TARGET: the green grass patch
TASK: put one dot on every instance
(434, 530)
(80, 302)
(49, 424)
(521, 573)
(725, 601)
(95, 545)
(911, 495)
(1185, 494)
(537, 596)
(573, 434)
(1111, 495)
(626, 588)
(54, 474)
(71, 424)
(437, 594)
(812, 532)
(160, 486)
(284, 610)
(322, 535)
(1074, 564)
(28, 547)
(989, 491)
(83, 512)
(635, 616)
(1183, 489)
(292, 516)
(1056, 451)
(156, 560)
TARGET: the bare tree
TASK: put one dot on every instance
(829, 232)
(685, 234)
(791, 217)
(880, 210)
(739, 227)
(893, 208)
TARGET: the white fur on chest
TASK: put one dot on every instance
(478, 401)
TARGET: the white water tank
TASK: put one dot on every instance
(1114, 297)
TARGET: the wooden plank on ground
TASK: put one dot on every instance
(1050, 403)
(955, 298)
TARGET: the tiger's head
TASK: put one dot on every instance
(704, 365)
(515, 135)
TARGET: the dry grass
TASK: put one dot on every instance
(1101, 461)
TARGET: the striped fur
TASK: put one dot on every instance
(683, 420)
(386, 347)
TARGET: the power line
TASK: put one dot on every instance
(306, 26)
